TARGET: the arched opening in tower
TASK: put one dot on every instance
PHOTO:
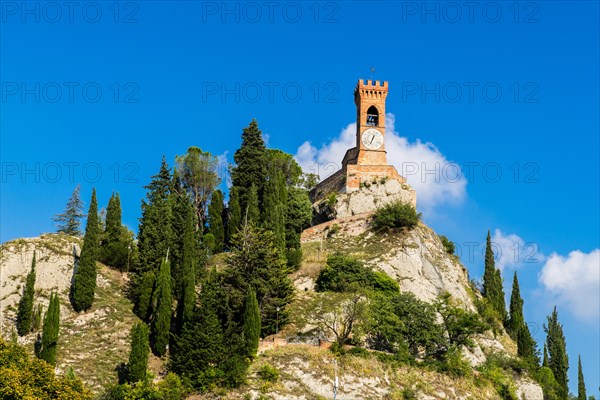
(372, 116)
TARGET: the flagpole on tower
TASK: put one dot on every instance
(372, 72)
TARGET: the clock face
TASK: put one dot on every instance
(372, 139)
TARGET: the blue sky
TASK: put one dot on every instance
(506, 93)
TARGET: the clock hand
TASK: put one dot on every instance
(372, 138)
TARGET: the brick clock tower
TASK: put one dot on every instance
(366, 163)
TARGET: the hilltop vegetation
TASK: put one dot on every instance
(183, 308)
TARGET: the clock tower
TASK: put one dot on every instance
(365, 165)
(370, 98)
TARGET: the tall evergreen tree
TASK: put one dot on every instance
(256, 261)
(84, 279)
(275, 205)
(180, 207)
(49, 340)
(526, 345)
(161, 319)
(558, 360)
(138, 354)
(492, 281)
(118, 247)
(251, 213)
(155, 230)
(198, 352)
(186, 302)
(69, 222)
(25, 310)
(515, 319)
(250, 165)
(251, 324)
(234, 212)
(298, 216)
(144, 308)
(113, 225)
(581, 392)
(545, 359)
(155, 237)
(215, 220)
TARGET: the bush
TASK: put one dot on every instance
(268, 373)
(454, 363)
(294, 259)
(448, 244)
(395, 215)
(359, 352)
(347, 274)
(170, 388)
(22, 376)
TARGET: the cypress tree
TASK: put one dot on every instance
(138, 354)
(215, 220)
(516, 320)
(545, 359)
(581, 392)
(47, 351)
(234, 213)
(251, 324)
(112, 232)
(155, 230)
(558, 360)
(36, 322)
(144, 307)
(492, 281)
(155, 236)
(187, 300)
(69, 222)
(198, 353)
(250, 168)
(161, 322)
(25, 310)
(252, 211)
(274, 206)
(255, 260)
(526, 345)
(84, 279)
(180, 205)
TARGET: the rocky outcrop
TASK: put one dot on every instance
(370, 197)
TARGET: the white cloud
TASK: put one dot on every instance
(436, 180)
(511, 251)
(574, 282)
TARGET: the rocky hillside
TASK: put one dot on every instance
(94, 343)
(293, 365)
(418, 261)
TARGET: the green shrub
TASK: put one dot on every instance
(332, 199)
(395, 215)
(454, 363)
(359, 352)
(409, 394)
(335, 228)
(448, 244)
(268, 373)
(294, 259)
(347, 274)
